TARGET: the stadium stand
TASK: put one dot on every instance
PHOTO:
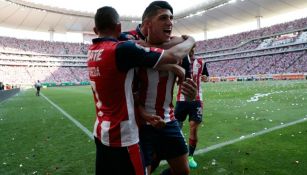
(9, 44)
(22, 62)
(279, 49)
(239, 39)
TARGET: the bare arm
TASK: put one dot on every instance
(174, 41)
(176, 69)
(166, 45)
(175, 50)
(177, 53)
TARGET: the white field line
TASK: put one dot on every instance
(220, 145)
(78, 124)
(213, 147)
(200, 151)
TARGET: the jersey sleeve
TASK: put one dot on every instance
(130, 55)
(205, 70)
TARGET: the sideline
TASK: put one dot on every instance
(78, 124)
(10, 97)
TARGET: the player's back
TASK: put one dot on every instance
(112, 94)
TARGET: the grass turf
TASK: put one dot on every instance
(37, 139)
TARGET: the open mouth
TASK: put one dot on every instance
(167, 31)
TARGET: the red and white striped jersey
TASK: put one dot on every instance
(156, 92)
(110, 66)
(198, 68)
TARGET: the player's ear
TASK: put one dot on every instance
(145, 27)
(118, 28)
(146, 23)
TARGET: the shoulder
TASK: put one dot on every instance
(130, 35)
(131, 46)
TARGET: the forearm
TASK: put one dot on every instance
(181, 50)
(166, 67)
(177, 53)
(174, 41)
(176, 69)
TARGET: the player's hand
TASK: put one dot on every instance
(142, 43)
(154, 120)
(189, 89)
(185, 37)
(204, 78)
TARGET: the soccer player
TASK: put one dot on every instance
(155, 95)
(110, 66)
(192, 108)
(38, 86)
(140, 33)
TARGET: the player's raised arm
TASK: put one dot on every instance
(172, 42)
(176, 53)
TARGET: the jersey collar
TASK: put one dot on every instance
(138, 30)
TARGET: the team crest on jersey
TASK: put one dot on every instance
(196, 68)
(146, 49)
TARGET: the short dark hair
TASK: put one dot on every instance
(106, 18)
(153, 7)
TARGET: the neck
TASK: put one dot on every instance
(153, 41)
(108, 34)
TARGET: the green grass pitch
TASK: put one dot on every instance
(36, 138)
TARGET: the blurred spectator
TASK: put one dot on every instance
(1, 86)
(9, 44)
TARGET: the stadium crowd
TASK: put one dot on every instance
(292, 62)
(29, 74)
(237, 39)
(9, 44)
(272, 50)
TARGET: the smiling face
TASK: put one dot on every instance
(160, 27)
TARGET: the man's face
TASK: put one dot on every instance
(160, 27)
